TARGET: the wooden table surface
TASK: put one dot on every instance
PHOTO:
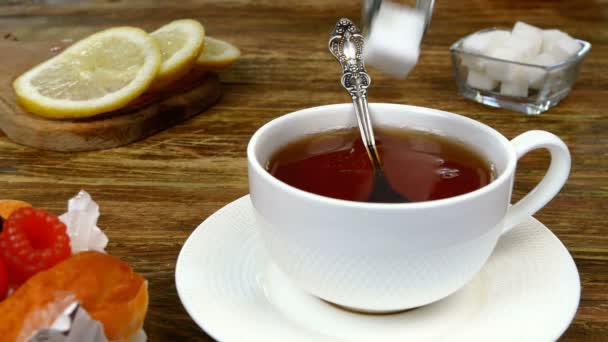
(153, 193)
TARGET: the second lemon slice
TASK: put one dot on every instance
(180, 43)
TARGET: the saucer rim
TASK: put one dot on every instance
(200, 322)
(229, 206)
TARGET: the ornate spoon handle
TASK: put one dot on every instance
(346, 45)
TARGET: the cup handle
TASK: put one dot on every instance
(552, 182)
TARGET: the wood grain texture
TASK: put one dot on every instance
(150, 113)
(153, 193)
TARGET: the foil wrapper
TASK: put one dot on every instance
(81, 221)
(75, 325)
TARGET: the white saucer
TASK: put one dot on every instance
(528, 291)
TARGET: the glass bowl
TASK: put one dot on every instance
(546, 85)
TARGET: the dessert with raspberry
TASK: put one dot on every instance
(41, 276)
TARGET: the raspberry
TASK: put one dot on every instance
(31, 241)
(3, 280)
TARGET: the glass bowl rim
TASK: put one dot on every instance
(457, 48)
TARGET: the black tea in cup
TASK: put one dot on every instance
(421, 166)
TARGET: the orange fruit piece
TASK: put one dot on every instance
(8, 206)
(105, 286)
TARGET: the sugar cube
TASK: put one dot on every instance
(531, 34)
(527, 48)
(481, 44)
(514, 88)
(551, 36)
(477, 43)
(393, 44)
(498, 39)
(544, 59)
(473, 62)
(480, 80)
(559, 44)
(568, 47)
(502, 70)
(536, 76)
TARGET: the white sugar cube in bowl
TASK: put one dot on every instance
(531, 35)
(501, 71)
(525, 68)
(525, 47)
(536, 76)
(559, 44)
(514, 88)
(479, 80)
(482, 44)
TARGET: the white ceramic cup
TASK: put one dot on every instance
(388, 257)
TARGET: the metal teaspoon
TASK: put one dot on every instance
(346, 45)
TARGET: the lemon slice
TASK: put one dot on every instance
(217, 54)
(98, 74)
(180, 43)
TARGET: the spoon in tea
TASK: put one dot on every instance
(346, 45)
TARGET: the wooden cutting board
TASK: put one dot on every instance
(147, 115)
